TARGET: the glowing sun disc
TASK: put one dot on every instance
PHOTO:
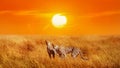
(59, 20)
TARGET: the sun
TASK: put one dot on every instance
(59, 20)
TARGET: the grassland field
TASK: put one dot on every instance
(30, 52)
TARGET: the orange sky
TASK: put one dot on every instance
(85, 17)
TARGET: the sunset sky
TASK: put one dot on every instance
(84, 17)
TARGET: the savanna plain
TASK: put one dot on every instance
(30, 52)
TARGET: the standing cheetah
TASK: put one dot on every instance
(63, 51)
(50, 49)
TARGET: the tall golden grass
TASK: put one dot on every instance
(30, 52)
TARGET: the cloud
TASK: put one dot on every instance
(27, 13)
(38, 13)
(106, 13)
(5, 12)
(35, 13)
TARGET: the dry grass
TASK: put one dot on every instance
(30, 52)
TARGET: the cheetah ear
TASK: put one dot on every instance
(46, 41)
(53, 45)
